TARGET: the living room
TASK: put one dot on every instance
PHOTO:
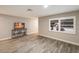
(39, 28)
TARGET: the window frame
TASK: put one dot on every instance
(63, 18)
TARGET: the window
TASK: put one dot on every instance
(64, 24)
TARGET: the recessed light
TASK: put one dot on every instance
(45, 6)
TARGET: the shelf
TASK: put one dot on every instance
(18, 33)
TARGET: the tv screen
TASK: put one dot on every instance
(19, 25)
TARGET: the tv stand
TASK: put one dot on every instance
(18, 33)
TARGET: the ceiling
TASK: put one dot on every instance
(37, 10)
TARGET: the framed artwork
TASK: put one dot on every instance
(63, 24)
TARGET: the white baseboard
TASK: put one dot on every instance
(31, 33)
(10, 37)
(61, 40)
(5, 38)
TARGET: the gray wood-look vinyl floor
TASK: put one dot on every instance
(36, 44)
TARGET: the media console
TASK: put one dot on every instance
(19, 30)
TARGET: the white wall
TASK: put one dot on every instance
(7, 23)
(32, 25)
(70, 38)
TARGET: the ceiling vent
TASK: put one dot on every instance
(29, 10)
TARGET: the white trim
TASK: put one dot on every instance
(5, 38)
(31, 33)
(11, 38)
(74, 43)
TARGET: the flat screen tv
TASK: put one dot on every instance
(19, 25)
